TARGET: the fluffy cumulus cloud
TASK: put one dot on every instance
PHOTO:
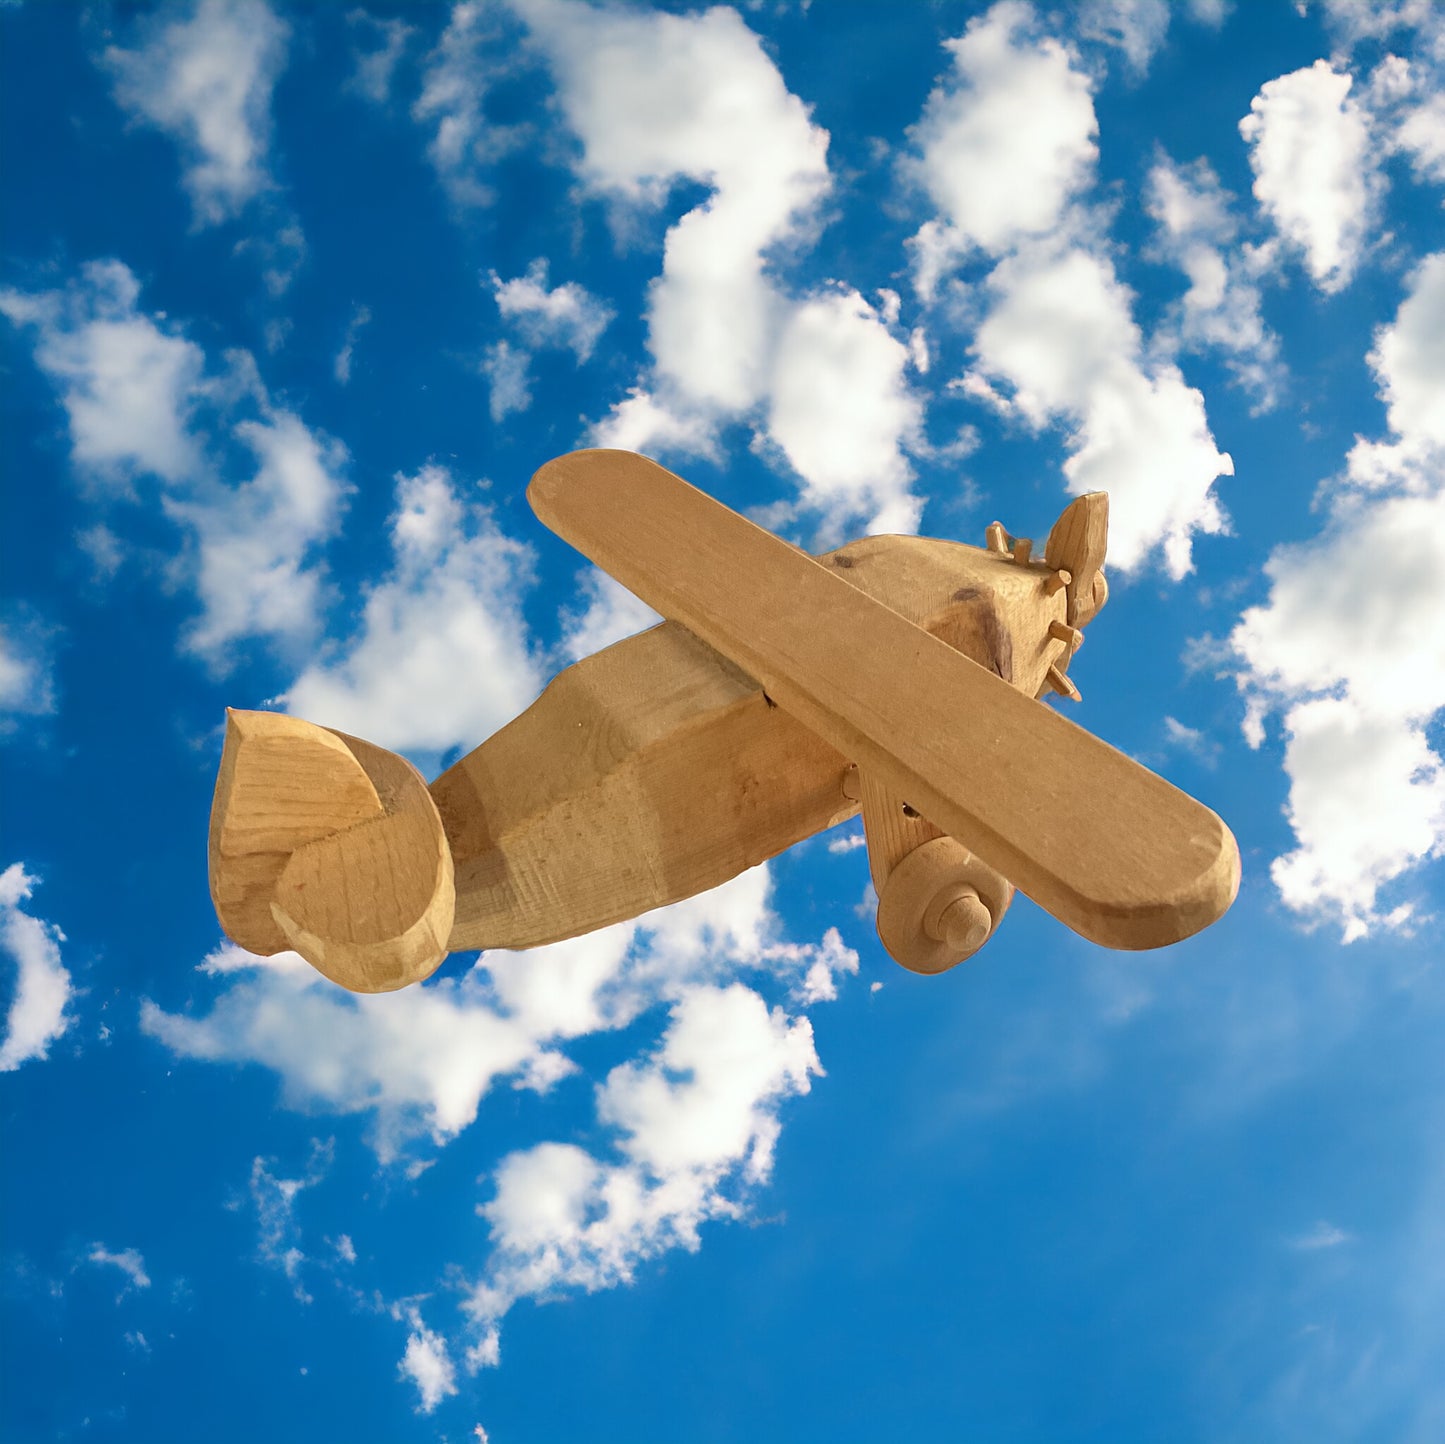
(427, 1364)
(1005, 141)
(473, 52)
(1059, 337)
(1316, 170)
(127, 1260)
(655, 99)
(27, 683)
(696, 1122)
(1353, 21)
(129, 385)
(420, 1061)
(841, 409)
(441, 658)
(253, 567)
(1005, 148)
(205, 81)
(1220, 311)
(565, 317)
(143, 405)
(39, 1007)
(1137, 27)
(694, 1115)
(1346, 649)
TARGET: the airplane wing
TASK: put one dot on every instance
(1111, 849)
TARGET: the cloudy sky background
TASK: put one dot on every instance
(295, 300)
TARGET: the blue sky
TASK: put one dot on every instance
(294, 301)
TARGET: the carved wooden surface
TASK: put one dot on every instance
(656, 768)
(1112, 850)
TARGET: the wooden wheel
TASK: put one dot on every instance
(940, 905)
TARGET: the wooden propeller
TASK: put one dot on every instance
(897, 675)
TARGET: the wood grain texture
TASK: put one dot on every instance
(1108, 847)
(282, 783)
(332, 846)
(371, 907)
(656, 768)
(1077, 544)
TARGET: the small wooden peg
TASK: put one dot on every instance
(1061, 684)
(997, 538)
(1062, 632)
(1022, 550)
(1056, 582)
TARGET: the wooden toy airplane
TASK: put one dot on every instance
(898, 675)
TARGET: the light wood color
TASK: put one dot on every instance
(676, 759)
(283, 783)
(937, 903)
(1108, 847)
(1060, 682)
(372, 907)
(1077, 544)
(656, 768)
(940, 905)
(329, 845)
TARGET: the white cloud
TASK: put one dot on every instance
(141, 403)
(206, 82)
(1191, 740)
(697, 1123)
(1005, 149)
(428, 1365)
(442, 657)
(254, 542)
(341, 368)
(1137, 27)
(1422, 134)
(1316, 168)
(472, 52)
(421, 1060)
(129, 388)
(1409, 359)
(506, 368)
(1004, 143)
(274, 1199)
(1323, 1235)
(657, 97)
(567, 316)
(1355, 20)
(608, 612)
(27, 682)
(1221, 309)
(1060, 336)
(700, 1102)
(841, 410)
(43, 988)
(127, 1260)
(645, 423)
(1346, 650)
(376, 64)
